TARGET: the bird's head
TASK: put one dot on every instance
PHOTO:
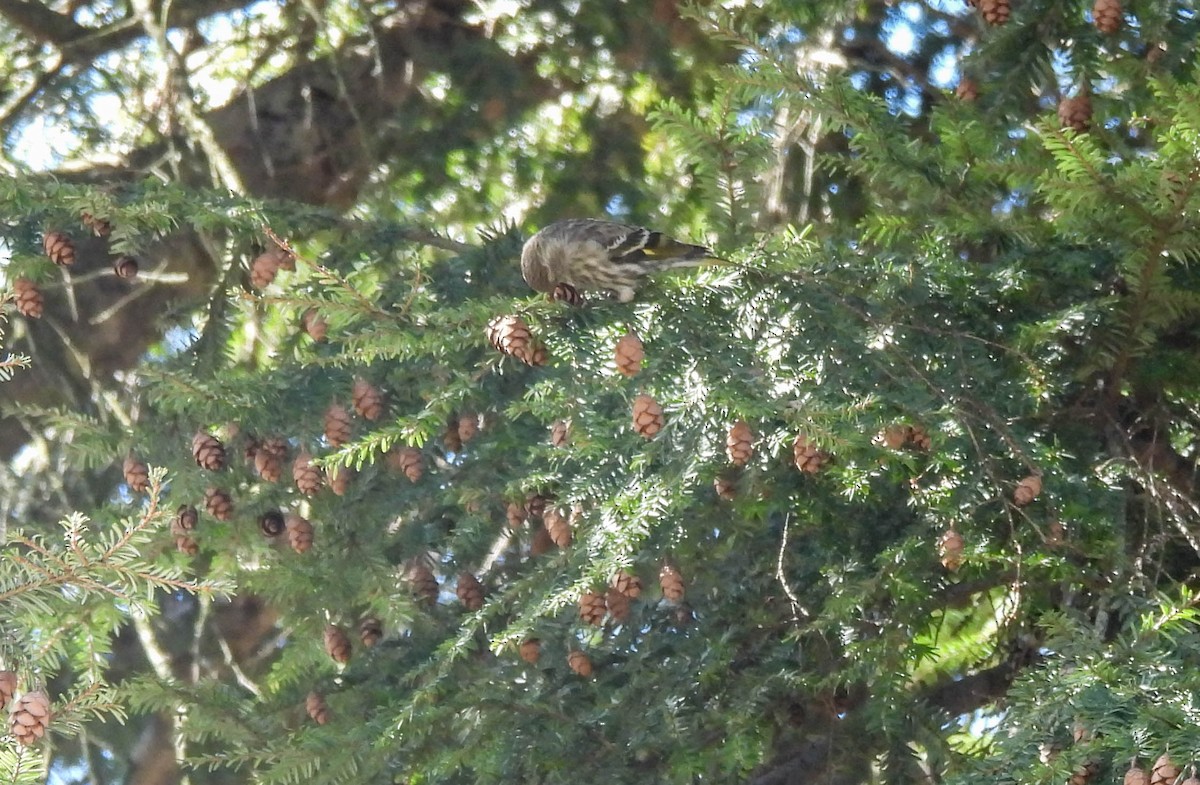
(540, 264)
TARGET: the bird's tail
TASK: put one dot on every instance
(667, 253)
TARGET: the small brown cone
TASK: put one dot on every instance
(592, 608)
(1164, 771)
(314, 324)
(995, 12)
(8, 687)
(510, 335)
(337, 644)
(1075, 113)
(539, 356)
(671, 583)
(580, 663)
(317, 708)
(366, 399)
(272, 523)
(557, 527)
(535, 505)
(99, 226)
(1084, 774)
(185, 519)
(208, 451)
(618, 604)
(137, 474)
(967, 89)
(424, 584)
(560, 433)
(895, 436)
(469, 591)
(370, 631)
(950, 549)
(60, 248)
(339, 478)
(566, 293)
(542, 542)
(305, 474)
(627, 583)
(186, 545)
(807, 457)
(407, 461)
(1027, 490)
(647, 416)
(1106, 15)
(267, 265)
(338, 428)
(269, 458)
(29, 300)
(125, 266)
(919, 438)
(1136, 775)
(467, 427)
(629, 355)
(299, 532)
(726, 486)
(29, 717)
(739, 443)
(531, 651)
(218, 504)
(514, 515)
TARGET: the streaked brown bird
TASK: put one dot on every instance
(584, 253)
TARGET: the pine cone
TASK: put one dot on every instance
(511, 335)
(514, 515)
(543, 541)
(671, 583)
(299, 532)
(305, 474)
(995, 12)
(1164, 771)
(1085, 773)
(269, 458)
(29, 300)
(423, 583)
(338, 429)
(647, 416)
(967, 89)
(726, 486)
(566, 293)
(370, 631)
(337, 644)
(627, 583)
(339, 478)
(808, 458)
(186, 518)
(450, 438)
(467, 426)
(316, 707)
(1136, 775)
(1076, 113)
(531, 651)
(184, 542)
(469, 591)
(125, 266)
(535, 505)
(8, 687)
(1027, 490)
(557, 527)
(950, 549)
(539, 356)
(560, 433)
(739, 443)
(580, 663)
(366, 399)
(218, 504)
(314, 324)
(592, 608)
(895, 436)
(267, 265)
(619, 606)
(60, 248)
(208, 451)
(29, 717)
(137, 474)
(1106, 15)
(272, 523)
(408, 461)
(919, 438)
(629, 354)
(99, 226)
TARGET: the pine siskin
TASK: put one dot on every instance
(589, 254)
